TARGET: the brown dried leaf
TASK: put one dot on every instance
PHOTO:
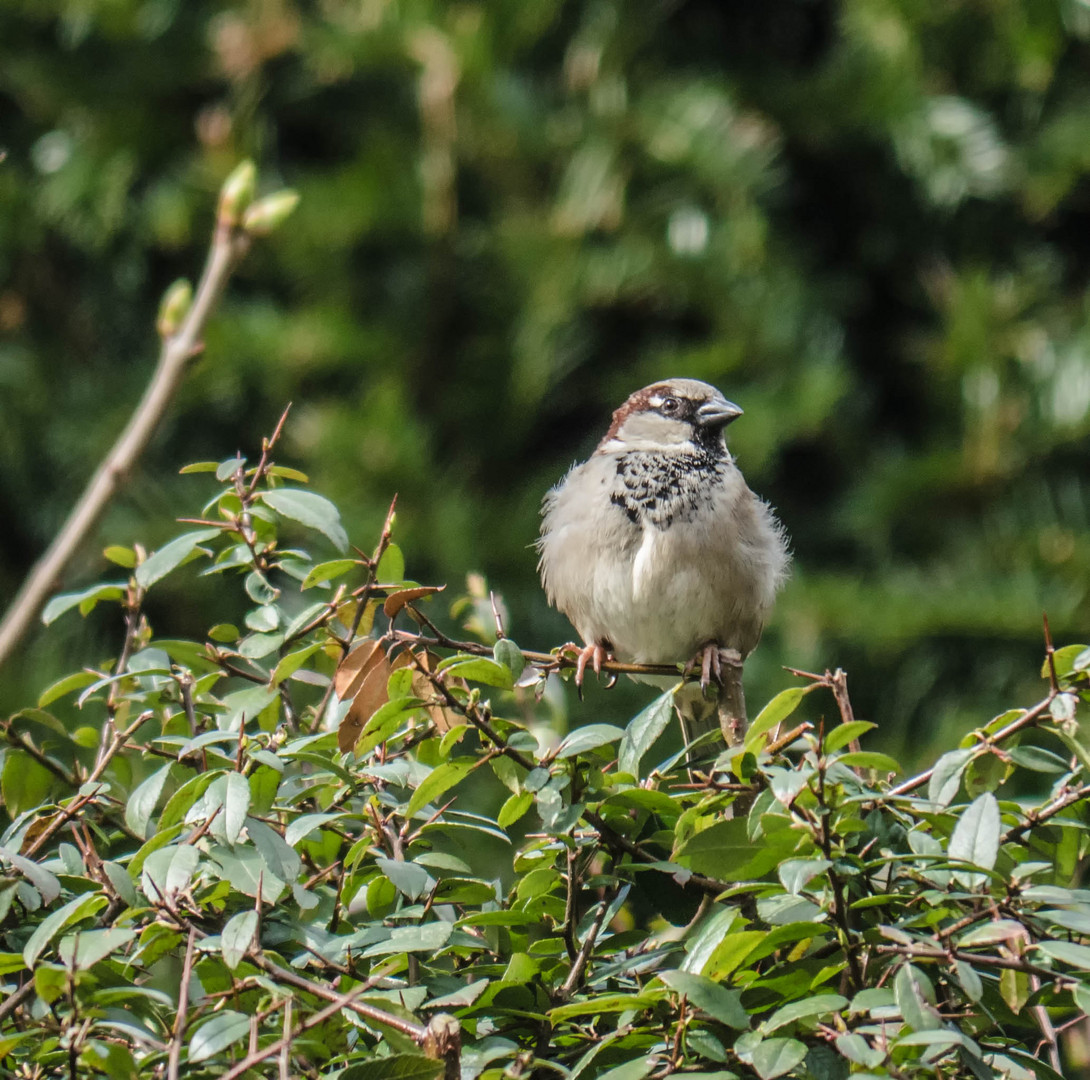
(355, 667)
(443, 717)
(397, 600)
(370, 695)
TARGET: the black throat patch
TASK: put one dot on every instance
(661, 488)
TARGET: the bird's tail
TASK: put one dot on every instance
(715, 721)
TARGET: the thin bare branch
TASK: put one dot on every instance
(228, 245)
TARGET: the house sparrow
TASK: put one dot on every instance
(659, 553)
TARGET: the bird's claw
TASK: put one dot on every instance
(710, 660)
(594, 654)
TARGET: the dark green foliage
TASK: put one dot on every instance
(191, 871)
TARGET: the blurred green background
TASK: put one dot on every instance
(867, 222)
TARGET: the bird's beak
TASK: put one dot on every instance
(717, 414)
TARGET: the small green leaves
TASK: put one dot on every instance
(775, 1057)
(945, 779)
(643, 731)
(310, 509)
(237, 937)
(975, 838)
(775, 712)
(86, 600)
(588, 738)
(717, 1001)
(171, 556)
(217, 1034)
(290, 795)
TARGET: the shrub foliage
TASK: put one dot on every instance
(335, 841)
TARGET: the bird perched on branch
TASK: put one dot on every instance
(659, 553)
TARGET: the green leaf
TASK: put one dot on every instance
(24, 783)
(427, 938)
(1067, 952)
(232, 794)
(945, 780)
(514, 808)
(868, 759)
(76, 681)
(481, 670)
(605, 1003)
(1038, 759)
(911, 991)
(85, 949)
(172, 555)
(844, 733)
(800, 1010)
(587, 738)
(291, 663)
(314, 511)
(796, 873)
(855, 1048)
(237, 937)
(305, 825)
(975, 838)
(506, 652)
(643, 731)
(391, 567)
(50, 981)
(410, 879)
(245, 869)
(717, 1001)
(144, 799)
(395, 1067)
(437, 782)
(328, 571)
(80, 907)
(85, 600)
(970, 981)
(724, 851)
(218, 1033)
(120, 556)
(774, 1057)
(636, 1069)
(775, 712)
(43, 880)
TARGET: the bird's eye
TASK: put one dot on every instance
(670, 405)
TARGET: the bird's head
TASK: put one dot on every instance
(677, 414)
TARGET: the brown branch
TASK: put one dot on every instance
(284, 1044)
(178, 348)
(575, 976)
(414, 1031)
(920, 952)
(613, 839)
(1027, 719)
(180, 1021)
(13, 1001)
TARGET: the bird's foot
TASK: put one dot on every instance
(711, 660)
(595, 654)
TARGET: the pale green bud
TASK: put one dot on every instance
(174, 307)
(236, 194)
(269, 213)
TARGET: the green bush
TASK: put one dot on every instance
(331, 840)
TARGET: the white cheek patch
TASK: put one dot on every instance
(655, 401)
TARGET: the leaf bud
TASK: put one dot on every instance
(174, 307)
(236, 194)
(269, 213)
